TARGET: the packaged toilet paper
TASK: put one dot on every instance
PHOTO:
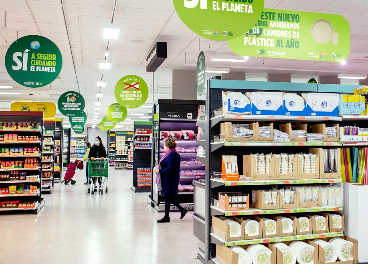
(294, 105)
(244, 257)
(289, 256)
(322, 104)
(266, 103)
(260, 254)
(237, 103)
(344, 248)
(330, 250)
(304, 252)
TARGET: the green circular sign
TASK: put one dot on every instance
(219, 20)
(131, 91)
(116, 113)
(201, 73)
(77, 122)
(106, 124)
(71, 103)
(33, 61)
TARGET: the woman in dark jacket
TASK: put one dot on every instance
(97, 151)
(170, 174)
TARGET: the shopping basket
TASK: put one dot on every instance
(98, 173)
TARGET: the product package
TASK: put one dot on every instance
(266, 103)
(294, 105)
(236, 103)
(326, 105)
(259, 167)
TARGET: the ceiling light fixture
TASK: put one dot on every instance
(6, 87)
(99, 95)
(107, 54)
(353, 76)
(144, 117)
(93, 126)
(217, 70)
(97, 108)
(105, 66)
(136, 114)
(227, 58)
(111, 32)
(8, 93)
(146, 106)
(101, 84)
(67, 126)
(97, 103)
(343, 63)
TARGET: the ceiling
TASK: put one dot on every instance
(148, 21)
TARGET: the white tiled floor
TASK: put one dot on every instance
(75, 227)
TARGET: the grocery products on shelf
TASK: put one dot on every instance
(17, 138)
(19, 189)
(17, 204)
(17, 175)
(144, 177)
(19, 125)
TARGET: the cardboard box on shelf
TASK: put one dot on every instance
(322, 254)
(227, 130)
(265, 125)
(288, 128)
(250, 168)
(300, 227)
(267, 229)
(225, 255)
(319, 226)
(305, 176)
(222, 229)
(333, 224)
(240, 201)
(259, 201)
(280, 228)
(284, 205)
(287, 176)
(260, 228)
(310, 203)
(321, 129)
(323, 175)
(279, 255)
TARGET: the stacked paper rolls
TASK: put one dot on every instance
(330, 250)
(289, 254)
(235, 228)
(259, 254)
(304, 224)
(287, 225)
(320, 222)
(270, 226)
(336, 221)
(344, 248)
(251, 227)
(304, 252)
(244, 257)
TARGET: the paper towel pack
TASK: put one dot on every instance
(237, 103)
(294, 105)
(266, 103)
(322, 104)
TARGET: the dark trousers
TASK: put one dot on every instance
(168, 201)
(86, 171)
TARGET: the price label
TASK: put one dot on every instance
(301, 117)
(271, 117)
(3, 156)
(15, 156)
(234, 214)
(238, 117)
(265, 241)
(321, 236)
(329, 144)
(326, 118)
(27, 142)
(234, 183)
(28, 156)
(287, 211)
(256, 212)
(336, 209)
(6, 142)
(331, 181)
(301, 144)
(273, 144)
(286, 182)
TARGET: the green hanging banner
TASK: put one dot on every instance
(131, 91)
(219, 20)
(201, 73)
(285, 34)
(116, 113)
(77, 122)
(106, 124)
(71, 103)
(33, 61)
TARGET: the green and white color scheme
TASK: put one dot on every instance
(296, 35)
(201, 73)
(33, 61)
(106, 124)
(219, 19)
(77, 122)
(71, 103)
(116, 113)
(131, 91)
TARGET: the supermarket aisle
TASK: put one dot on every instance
(119, 227)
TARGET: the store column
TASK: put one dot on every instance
(329, 80)
(363, 82)
(239, 76)
(276, 77)
(184, 86)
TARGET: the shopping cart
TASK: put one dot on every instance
(98, 173)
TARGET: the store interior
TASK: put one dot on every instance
(270, 126)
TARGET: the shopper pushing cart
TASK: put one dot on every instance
(97, 163)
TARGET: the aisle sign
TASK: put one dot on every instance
(71, 103)
(131, 91)
(116, 113)
(106, 124)
(201, 73)
(48, 109)
(78, 129)
(33, 61)
(219, 20)
(77, 122)
(297, 35)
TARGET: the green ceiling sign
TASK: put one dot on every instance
(77, 122)
(219, 19)
(131, 91)
(71, 103)
(296, 35)
(33, 61)
(116, 113)
(106, 124)
(201, 73)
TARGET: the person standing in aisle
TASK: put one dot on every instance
(169, 173)
(88, 148)
(97, 151)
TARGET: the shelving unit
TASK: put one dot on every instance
(22, 201)
(112, 148)
(77, 150)
(141, 155)
(213, 160)
(171, 116)
(48, 155)
(59, 146)
(66, 147)
(124, 150)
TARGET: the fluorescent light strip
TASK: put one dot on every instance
(353, 76)
(6, 87)
(217, 70)
(111, 33)
(97, 103)
(101, 84)
(144, 117)
(99, 95)
(105, 66)
(136, 114)
(97, 109)
(8, 93)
